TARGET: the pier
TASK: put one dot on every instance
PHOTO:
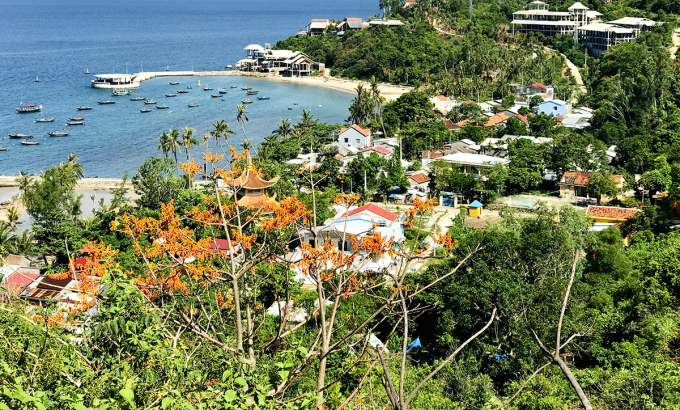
(112, 81)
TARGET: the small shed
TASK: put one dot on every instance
(475, 208)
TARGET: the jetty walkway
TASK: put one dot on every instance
(138, 78)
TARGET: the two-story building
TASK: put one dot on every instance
(575, 183)
(355, 136)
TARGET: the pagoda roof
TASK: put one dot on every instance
(252, 179)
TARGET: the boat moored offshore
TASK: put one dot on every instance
(23, 109)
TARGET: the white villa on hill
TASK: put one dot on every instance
(285, 63)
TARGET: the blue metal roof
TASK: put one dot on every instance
(475, 204)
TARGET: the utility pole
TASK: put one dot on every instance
(365, 176)
(470, 9)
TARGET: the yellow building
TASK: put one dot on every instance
(674, 207)
(475, 209)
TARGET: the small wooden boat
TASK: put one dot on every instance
(144, 110)
(189, 87)
(174, 83)
(29, 143)
(182, 92)
(84, 108)
(23, 109)
(262, 98)
(207, 89)
(120, 92)
(193, 105)
(150, 102)
(247, 101)
(75, 123)
(77, 119)
(171, 95)
(216, 95)
(229, 67)
(234, 86)
(222, 91)
(252, 92)
(37, 80)
(137, 99)
(20, 136)
(162, 107)
(109, 102)
(4, 149)
(45, 120)
(247, 88)
(58, 134)
(290, 108)
(295, 103)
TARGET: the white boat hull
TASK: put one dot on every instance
(114, 86)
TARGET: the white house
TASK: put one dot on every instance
(472, 163)
(443, 104)
(355, 136)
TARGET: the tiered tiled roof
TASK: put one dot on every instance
(252, 179)
(578, 178)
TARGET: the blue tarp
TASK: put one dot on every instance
(414, 345)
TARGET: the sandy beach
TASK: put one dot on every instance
(389, 91)
(99, 184)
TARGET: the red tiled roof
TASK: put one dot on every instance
(449, 124)
(221, 244)
(545, 95)
(79, 262)
(578, 178)
(374, 209)
(339, 157)
(18, 282)
(464, 123)
(432, 154)
(420, 178)
(319, 20)
(357, 128)
(496, 119)
(468, 102)
(522, 118)
(611, 212)
(441, 98)
(539, 85)
(354, 20)
(382, 150)
(559, 119)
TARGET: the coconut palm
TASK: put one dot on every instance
(164, 143)
(285, 128)
(221, 130)
(247, 144)
(188, 140)
(241, 117)
(75, 166)
(175, 144)
(22, 244)
(13, 215)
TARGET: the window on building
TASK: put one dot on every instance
(311, 242)
(358, 141)
(346, 139)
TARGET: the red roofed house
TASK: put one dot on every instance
(408, 3)
(522, 118)
(605, 216)
(373, 210)
(250, 186)
(352, 23)
(575, 183)
(355, 136)
(429, 156)
(419, 181)
(18, 281)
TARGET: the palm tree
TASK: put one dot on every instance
(221, 130)
(175, 144)
(247, 144)
(13, 215)
(241, 117)
(164, 143)
(21, 244)
(74, 165)
(188, 140)
(285, 128)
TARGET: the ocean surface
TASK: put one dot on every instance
(59, 40)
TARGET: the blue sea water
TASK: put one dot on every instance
(59, 40)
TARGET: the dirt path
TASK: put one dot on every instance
(576, 74)
(676, 43)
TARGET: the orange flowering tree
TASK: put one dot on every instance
(249, 284)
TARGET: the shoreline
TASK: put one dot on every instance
(101, 184)
(389, 91)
